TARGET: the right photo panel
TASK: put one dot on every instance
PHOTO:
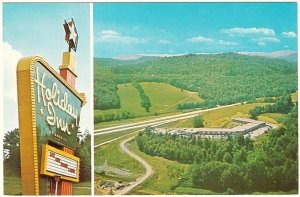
(195, 98)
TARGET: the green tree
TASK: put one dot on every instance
(227, 158)
(83, 151)
(232, 178)
(11, 152)
(11, 144)
(198, 122)
(208, 175)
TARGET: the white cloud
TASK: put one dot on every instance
(200, 39)
(10, 59)
(261, 44)
(206, 40)
(227, 43)
(110, 36)
(10, 108)
(238, 31)
(264, 40)
(289, 34)
(162, 41)
(267, 39)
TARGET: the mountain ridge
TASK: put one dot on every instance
(288, 55)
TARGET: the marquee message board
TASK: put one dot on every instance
(49, 112)
(57, 162)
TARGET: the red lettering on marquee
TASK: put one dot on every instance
(57, 159)
(64, 165)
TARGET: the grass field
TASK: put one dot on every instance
(12, 186)
(194, 191)
(130, 101)
(276, 193)
(82, 188)
(103, 138)
(295, 97)
(218, 118)
(274, 118)
(113, 156)
(164, 99)
(133, 120)
(161, 181)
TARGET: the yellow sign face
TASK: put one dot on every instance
(49, 112)
(56, 162)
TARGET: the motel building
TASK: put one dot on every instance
(248, 127)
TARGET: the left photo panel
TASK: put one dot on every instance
(47, 87)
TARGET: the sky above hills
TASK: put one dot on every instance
(180, 28)
(37, 29)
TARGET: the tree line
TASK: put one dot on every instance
(105, 94)
(145, 100)
(236, 164)
(282, 105)
(11, 154)
(107, 117)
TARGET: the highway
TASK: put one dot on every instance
(155, 122)
(112, 140)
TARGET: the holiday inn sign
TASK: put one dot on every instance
(49, 114)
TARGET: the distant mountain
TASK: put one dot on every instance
(291, 56)
(139, 56)
(288, 55)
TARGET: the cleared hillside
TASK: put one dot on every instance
(163, 97)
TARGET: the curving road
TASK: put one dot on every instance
(149, 170)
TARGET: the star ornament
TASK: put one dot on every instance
(71, 35)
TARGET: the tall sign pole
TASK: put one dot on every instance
(68, 72)
(49, 113)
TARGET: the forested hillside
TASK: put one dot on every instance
(236, 164)
(219, 78)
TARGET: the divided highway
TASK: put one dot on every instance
(155, 122)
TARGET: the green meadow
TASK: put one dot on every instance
(162, 180)
(219, 118)
(164, 99)
(112, 156)
(12, 186)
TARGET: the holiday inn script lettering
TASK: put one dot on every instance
(57, 108)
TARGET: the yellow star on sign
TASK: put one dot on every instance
(42, 110)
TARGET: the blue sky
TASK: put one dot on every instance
(37, 29)
(179, 28)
